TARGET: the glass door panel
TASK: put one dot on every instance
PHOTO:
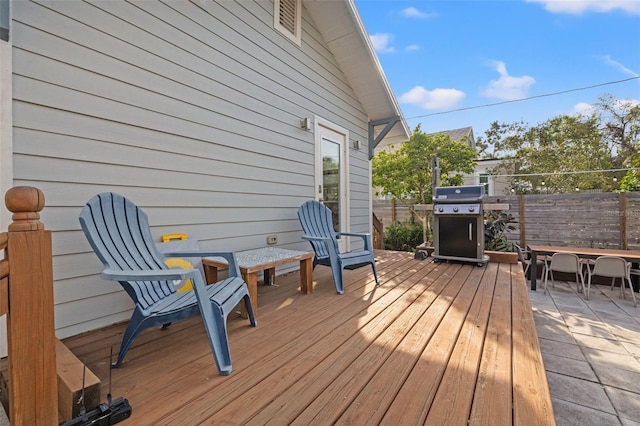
(331, 189)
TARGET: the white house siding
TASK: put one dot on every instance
(6, 165)
(190, 109)
(497, 182)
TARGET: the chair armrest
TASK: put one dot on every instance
(149, 275)
(368, 245)
(229, 256)
(312, 238)
(354, 234)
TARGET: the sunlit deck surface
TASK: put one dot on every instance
(435, 343)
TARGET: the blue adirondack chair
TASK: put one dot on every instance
(119, 234)
(317, 226)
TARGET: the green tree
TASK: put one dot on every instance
(620, 127)
(606, 137)
(406, 172)
(631, 180)
(551, 151)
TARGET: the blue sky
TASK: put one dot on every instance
(445, 55)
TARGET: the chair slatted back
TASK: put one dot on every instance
(119, 233)
(521, 256)
(611, 266)
(565, 262)
(316, 221)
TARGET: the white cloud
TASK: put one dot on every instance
(507, 87)
(432, 99)
(381, 42)
(584, 109)
(577, 7)
(412, 12)
(607, 60)
(412, 48)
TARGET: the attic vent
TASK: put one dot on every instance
(287, 18)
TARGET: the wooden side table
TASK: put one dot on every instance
(264, 259)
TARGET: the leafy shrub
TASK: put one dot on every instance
(495, 226)
(403, 236)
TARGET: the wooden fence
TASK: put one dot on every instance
(389, 211)
(601, 220)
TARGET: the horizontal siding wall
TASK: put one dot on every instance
(189, 108)
(601, 220)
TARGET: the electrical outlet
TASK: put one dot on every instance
(272, 239)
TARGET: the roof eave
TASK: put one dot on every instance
(342, 28)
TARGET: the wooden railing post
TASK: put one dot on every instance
(33, 388)
(622, 207)
(378, 233)
(523, 233)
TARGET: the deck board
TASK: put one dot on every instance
(431, 343)
(531, 397)
(452, 402)
(492, 404)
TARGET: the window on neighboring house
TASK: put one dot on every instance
(287, 17)
(484, 180)
(4, 20)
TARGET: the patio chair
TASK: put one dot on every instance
(317, 225)
(119, 234)
(568, 263)
(524, 256)
(612, 267)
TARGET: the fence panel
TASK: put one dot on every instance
(389, 211)
(601, 220)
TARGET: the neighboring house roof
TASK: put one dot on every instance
(458, 134)
(341, 26)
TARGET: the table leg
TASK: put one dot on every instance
(252, 282)
(306, 276)
(533, 269)
(635, 279)
(270, 276)
(210, 273)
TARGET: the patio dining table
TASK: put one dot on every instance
(584, 252)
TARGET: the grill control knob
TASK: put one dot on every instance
(471, 208)
(455, 209)
(440, 209)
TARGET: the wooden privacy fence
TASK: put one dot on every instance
(602, 220)
(389, 211)
(26, 297)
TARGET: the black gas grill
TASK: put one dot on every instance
(458, 224)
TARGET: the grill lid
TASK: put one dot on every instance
(458, 194)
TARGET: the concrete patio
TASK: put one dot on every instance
(591, 353)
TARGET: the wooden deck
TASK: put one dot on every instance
(436, 343)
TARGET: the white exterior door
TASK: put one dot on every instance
(331, 173)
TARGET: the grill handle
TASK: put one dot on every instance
(470, 232)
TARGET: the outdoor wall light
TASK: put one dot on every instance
(305, 124)
(356, 145)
